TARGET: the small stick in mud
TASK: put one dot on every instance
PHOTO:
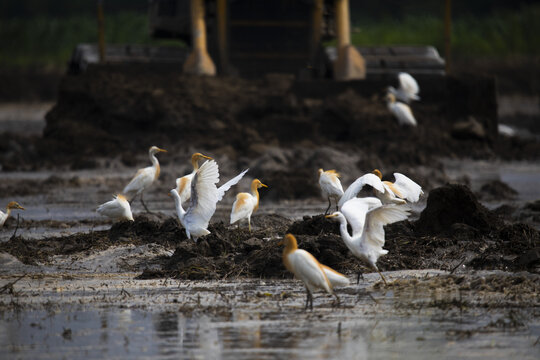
(9, 285)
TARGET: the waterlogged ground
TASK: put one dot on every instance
(420, 315)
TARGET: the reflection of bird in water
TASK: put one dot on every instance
(306, 268)
(367, 216)
(183, 184)
(246, 203)
(330, 186)
(117, 209)
(13, 205)
(204, 197)
(144, 177)
(400, 190)
(408, 88)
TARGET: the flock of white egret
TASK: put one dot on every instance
(196, 196)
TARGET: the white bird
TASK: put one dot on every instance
(12, 205)
(204, 197)
(306, 268)
(400, 190)
(246, 203)
(367, 216)
(144, 177)
(408, 88)
(183, 184)
(330, 186)
(401, 111)
(367, 179)
(117, 209)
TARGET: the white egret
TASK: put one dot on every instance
(117, 209)
(183, 184)
(330, 186)
(367, 216)
(306, 268)
(401, 111)
(12, 205)
(246, 203)
(400, 190)
(204, 197)
(367, 179)
(144, 177)
(408, 88)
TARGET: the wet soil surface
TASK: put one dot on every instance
(453, 231)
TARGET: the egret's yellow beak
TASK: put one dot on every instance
(20, 207)
(330, 216)
(161, 150)
(169, 195)
(264, 185)
(206, 157)
(280, 243)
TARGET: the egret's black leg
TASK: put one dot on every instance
(328, 208)
(144, 205)
(360, 275)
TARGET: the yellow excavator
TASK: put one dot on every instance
(250, 38)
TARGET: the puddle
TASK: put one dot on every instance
(114, 316)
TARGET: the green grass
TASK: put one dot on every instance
(499, 35)
(48, 42)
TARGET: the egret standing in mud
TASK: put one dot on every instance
(204, 197)
(183, 184)
(401, 111)
(246, 203)
(13, 205)
(330, 186)
(144, 178)
(400, 190)
(305, 267)
(408, 88)
(117, 209)
(367, 216)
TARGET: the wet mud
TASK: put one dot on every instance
(454, 232)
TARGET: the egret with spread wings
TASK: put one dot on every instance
(367, 217)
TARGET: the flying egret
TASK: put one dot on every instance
(367, 179)
(408, 88)
(246, 203)
(183, 184)
(144, 177)
(330, 186)
(117, 209)
(204, 197)
(401, 111)
(367, 216)
(306, 268)
(12, 205)
(400, 190)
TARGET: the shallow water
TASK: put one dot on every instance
(117, 317)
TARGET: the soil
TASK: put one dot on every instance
(446, 237)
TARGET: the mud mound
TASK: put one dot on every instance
(453, 204)
(496, 190)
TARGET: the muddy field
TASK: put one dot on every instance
(463, 270)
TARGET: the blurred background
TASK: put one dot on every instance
(38, 36)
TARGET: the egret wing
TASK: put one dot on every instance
(409, 85)
(410, 190)
(404, 114)
(308, 269)
(225, 187)
(355, 211)
(204, 195)
(142, 179)
(353, 190)
(335, 278)
(330, 184)
(379, 217)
